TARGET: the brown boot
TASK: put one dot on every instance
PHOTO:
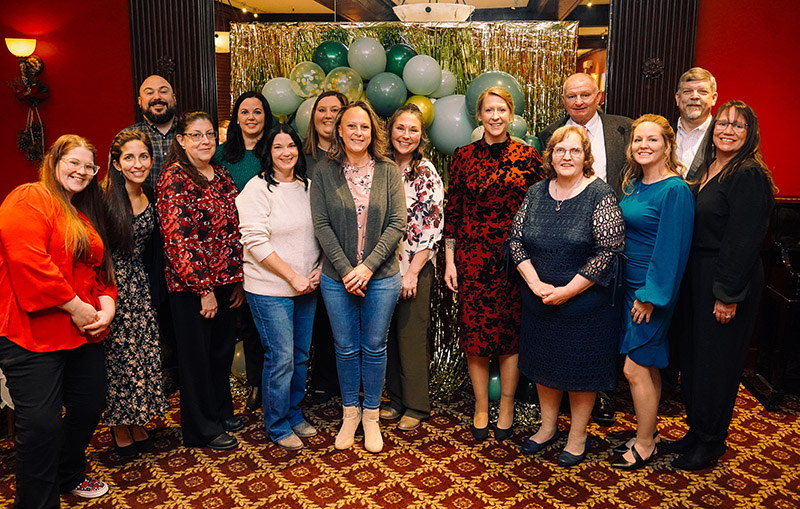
(373, 441)
(350, 418)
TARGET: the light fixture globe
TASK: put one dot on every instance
(433, 12)
(21, 47)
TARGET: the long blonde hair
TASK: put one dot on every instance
(633, 170)
(88, 201)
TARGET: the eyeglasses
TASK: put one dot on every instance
(75, 165)
(574, 151)
(196, 136)
(738, 127)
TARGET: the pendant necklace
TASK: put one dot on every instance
(559, 202)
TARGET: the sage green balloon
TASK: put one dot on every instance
(329, 55)
(447, 85)
(533, 141)
(303, 117)
(346, 81)
(495, 79)
(451, 127)
(367, 57)
(282, 100)
(397, 57)
(306, 79)
(386, 92)
(422, 75)
(518, 127)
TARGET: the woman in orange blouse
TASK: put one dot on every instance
(57, 298)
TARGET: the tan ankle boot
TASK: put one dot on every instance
(373, 441)
(351, 417)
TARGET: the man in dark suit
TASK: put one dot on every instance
(696, 95)
(609, 134)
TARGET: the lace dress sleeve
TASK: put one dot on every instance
(518, 252)
(608, 230)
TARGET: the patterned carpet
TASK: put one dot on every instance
(439, 465)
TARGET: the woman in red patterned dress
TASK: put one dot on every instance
(488, 180)
(197, 214)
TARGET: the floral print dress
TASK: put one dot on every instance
(133, 356)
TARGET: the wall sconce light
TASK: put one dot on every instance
(29, 90)
(222, 42)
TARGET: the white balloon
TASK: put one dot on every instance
(447, 85)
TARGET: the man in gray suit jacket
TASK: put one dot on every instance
(609, 134)
(696, 95)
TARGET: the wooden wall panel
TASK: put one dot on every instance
(651, 43)
(176, 40)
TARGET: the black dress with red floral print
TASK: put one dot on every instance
(200, 227)
(487, 185)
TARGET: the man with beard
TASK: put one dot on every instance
(157, 103)
(696, 95)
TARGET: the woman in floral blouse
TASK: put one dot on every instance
(197, 214)
(408, 350)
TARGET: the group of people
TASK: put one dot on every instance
(335, 243)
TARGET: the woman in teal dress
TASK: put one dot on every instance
(658, 208)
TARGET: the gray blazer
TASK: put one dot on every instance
(617, 134)
(336, 228)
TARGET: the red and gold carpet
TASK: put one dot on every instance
(439, 465)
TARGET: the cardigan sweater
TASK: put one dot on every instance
(334, 214)
(38, 273)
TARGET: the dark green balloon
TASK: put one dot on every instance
(397, 57)
(386, 92)
(329, 55)
(495, 79)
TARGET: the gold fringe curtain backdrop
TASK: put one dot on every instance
(539, 54)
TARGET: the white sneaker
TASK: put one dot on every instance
(90, 488)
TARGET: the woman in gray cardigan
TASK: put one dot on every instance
(358, 208)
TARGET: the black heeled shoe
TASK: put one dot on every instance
(529, 446)
(127, 452)
(637, 462)
(253, 401)
(567, 459)
(479, 434)
(501, 434)
(623, 447)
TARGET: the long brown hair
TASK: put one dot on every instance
(312, 137)
(633, 170)
(88, 202)
(419, 152)
(750, 151)
(177, 154)
(377, 145)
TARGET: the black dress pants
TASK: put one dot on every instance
(324, 375)
(251, 342)
(205, 354)
(51, 448)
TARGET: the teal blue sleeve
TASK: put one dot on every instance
(671, 250)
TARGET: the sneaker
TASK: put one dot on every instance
(90, 488)
(304, 430)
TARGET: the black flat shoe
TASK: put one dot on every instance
(320, 396)
(682, 446)
(501, 434)
(144, 446)
(637, 462)
(603, 410)
(479, 434)
(704, 455)
(531, 447)
(567, 459)
(223, 442)
(623, 447)
(253, 401)
(127, 452)
(233, 423)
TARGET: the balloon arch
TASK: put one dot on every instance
(441, 67)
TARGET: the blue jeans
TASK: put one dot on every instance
(360, 326)
(285, 325)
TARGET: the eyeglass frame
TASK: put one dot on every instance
(197, 136)
(75, 165)
(721, 125)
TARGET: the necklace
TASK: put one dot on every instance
(555, 188)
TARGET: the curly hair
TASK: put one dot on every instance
(558, 137)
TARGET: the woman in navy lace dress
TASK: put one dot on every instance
(564, 241)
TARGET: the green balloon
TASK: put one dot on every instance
(346, 81)
(518, 127)
(329, 55)
(282, 100)
(495, 79)
(303, 117)
(451, 127)
(533, 141)
(306, 79)
(397, 57)
(386, 92)
(494, 381)
(367, 57)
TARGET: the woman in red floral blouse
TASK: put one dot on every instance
(197, 214)
(488, 180)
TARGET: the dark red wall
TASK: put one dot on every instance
(749, 47)
(85, 47)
